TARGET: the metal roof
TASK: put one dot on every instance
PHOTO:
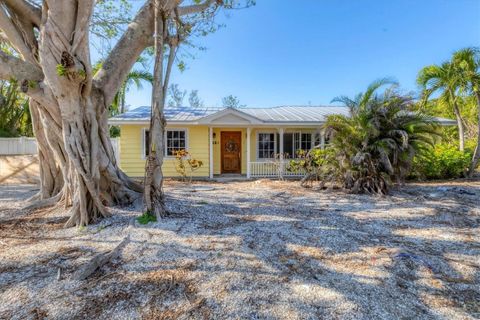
(276, 114)
(295, 113)
(283, 114)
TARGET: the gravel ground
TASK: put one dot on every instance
(252, 250)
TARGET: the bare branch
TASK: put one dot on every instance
(14, 36)
(197, 8)
(14, 68)
(121, 59)
(26, 10)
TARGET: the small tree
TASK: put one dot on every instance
(194, 100)
(185, 165)
(176, 96)
(231, 101)
(467, 61)
(446, 79)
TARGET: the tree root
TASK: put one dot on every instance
(45, 203)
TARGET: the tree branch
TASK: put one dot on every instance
(14, 36)
(197, 7)
(120, 61)
(26, 10)
(14, 68)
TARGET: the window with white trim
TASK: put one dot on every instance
(176, 140)
(266, 146)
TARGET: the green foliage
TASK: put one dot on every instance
(375, 144)
(114, 131)
(458, 82)
(61, 70)
(134, 77)
(15, 117)
(444, 161)
(147, 217)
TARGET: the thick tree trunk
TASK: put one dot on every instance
(476, 154)
(69, 107)
(51, 176)
(92, 179)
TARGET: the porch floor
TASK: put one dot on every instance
(230, 177)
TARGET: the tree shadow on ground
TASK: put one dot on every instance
(337, 250)
(298, 254)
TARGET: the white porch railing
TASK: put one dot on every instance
(273, 169)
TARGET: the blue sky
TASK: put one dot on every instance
(293, 52)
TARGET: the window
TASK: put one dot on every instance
(146, 143)
(266, 145)
(292, 142)
(175, 140)
(306, 141)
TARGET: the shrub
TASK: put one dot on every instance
(146, 217)
(376, 143)
(317, 164)
(444, 161)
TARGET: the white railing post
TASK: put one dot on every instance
(281, 171)
(210, 142)
(249, 132)
(322, 139)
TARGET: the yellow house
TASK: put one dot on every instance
(253, 142)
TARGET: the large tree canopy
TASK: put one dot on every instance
(69, 102)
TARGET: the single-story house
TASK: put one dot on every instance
(228, 141)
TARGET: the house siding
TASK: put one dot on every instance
(132, 162)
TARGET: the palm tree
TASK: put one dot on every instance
(468, 62)
(135, 77)
(378, 140)
(446, 79)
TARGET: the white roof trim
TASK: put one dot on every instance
(216, 118)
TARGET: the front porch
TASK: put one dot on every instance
(258, 152)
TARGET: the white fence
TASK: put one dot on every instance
(272, 169)
(23, 145)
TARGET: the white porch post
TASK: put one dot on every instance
(322, 139)
(282, 156)
(210, 132)
(249, 131)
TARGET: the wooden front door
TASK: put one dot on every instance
(231, 144)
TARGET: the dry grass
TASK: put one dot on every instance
(252, 250)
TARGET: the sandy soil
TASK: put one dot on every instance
(252, 250)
